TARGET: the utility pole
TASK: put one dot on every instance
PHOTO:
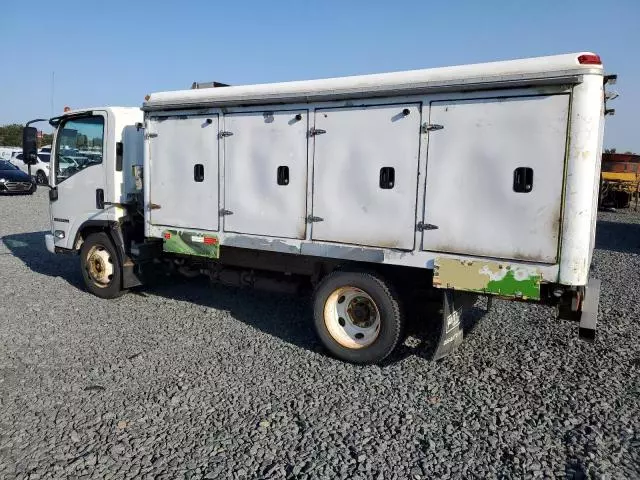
(53, 84)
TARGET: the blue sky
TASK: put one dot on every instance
(114, 52)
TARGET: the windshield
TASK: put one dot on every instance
(79, 146)
(4, 165)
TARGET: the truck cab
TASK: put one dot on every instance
(86, 181)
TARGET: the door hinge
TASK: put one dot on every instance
(311, 219)
(150, 135)
(430, 127)
(224, 133)
(154, 206)
(421, 227)
(316, 131)
(224, 212)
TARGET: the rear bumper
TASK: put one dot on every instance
(49, 242)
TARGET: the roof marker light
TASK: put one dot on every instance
(67, 109)
(589, 59)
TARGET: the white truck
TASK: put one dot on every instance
(465, 181)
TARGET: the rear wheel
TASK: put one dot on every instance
(101, 268)
(357, 316)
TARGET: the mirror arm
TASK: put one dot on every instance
(36, 120)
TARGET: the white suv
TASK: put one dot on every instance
(40, 170)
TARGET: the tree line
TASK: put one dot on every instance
(11, 136)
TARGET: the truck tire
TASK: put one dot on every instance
(41, 178)
(101, 268)
(357, 316)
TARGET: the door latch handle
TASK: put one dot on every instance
(523, 179)
(99, 199)
(198, 172)
(283, 175)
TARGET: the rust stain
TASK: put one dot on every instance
(454, 272)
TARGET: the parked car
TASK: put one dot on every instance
(40, 171)
(7, 152)
(14, 180)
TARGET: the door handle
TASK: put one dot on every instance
(198, 172)
(523, 179)
(387, 177)
(99, 199)
(283, 175)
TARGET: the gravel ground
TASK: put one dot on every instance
(186, 381)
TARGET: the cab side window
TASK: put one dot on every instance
(79, 145)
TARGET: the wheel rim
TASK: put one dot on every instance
(352, 317)
(40, 178)
(99, 266)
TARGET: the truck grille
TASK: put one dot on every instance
(17, 186)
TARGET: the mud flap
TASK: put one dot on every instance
(589, 314)
(451, 334)
(130, 276)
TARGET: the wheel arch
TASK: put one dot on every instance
(111, 228)
(130, 276)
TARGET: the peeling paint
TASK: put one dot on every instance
(494, 278)
(262, 243)
(338, 251)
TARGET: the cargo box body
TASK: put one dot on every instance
(490, 166)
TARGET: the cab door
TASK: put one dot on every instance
(78, 175)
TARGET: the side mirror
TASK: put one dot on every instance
(30, 145)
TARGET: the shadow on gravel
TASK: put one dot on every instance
(288, 317)
(31, 250)
(280, 315)
(618, 236)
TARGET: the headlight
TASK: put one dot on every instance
(1, 180)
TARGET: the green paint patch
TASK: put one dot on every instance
(511, 287)
(191, 243)
(488, 277)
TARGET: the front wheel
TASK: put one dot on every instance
(357, 316)
(101, 268)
